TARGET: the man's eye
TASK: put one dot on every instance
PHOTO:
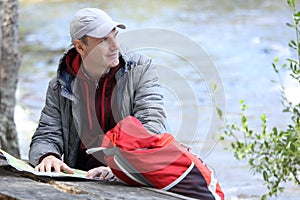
(102, 40)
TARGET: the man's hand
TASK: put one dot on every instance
(51, 162)
(103, 173)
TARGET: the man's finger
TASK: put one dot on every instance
(92, 173)
(39, 168)
(67, 169)
(103, 175)
(57, 167)
(48, 167)
(42, 168)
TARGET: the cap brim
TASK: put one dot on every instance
(105, 29)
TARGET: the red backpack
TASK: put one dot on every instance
(140, 158)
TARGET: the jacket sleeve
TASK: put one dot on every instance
(148, 102)
(47, 138)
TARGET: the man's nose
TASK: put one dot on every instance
(114, 44)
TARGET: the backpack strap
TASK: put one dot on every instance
(179, 178)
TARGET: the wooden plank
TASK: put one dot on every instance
(14, 185)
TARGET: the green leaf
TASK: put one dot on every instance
(263, 118)
(241, 101)
(264, 197)
(284, 66)
(292, 46)
(291, 3)
(275, 131)
(275, 67)
(244, 120)
(290, 25)
(293, 43)
(233, 145)
(281, 189)
(296, 16)
(265, 175)
(220, 113)
(214, 87)
(292, 147)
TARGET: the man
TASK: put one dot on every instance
(95, 87)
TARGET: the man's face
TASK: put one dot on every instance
(99, 54)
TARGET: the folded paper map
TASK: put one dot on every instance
(23, 166)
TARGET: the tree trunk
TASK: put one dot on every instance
(9, 67)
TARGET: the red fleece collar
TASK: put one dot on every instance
(73, 63)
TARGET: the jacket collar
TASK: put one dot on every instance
(66, 79)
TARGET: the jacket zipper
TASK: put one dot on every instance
(103, 104)
(87, 105)
(97, 84)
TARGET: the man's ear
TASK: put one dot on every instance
(79, 46)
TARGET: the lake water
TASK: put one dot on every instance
(239, 40)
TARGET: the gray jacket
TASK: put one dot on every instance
(138, 93)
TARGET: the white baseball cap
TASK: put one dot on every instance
(92, 22)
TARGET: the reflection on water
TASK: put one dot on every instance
(242, 38)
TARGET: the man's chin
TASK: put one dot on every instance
(114, 63)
